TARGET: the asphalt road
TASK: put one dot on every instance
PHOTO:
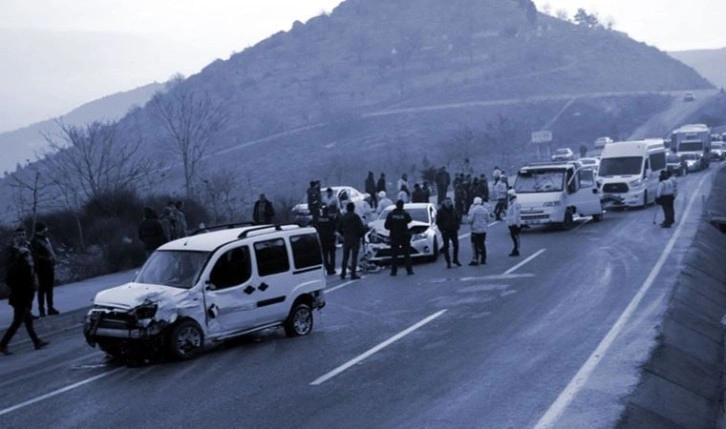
(520, 342)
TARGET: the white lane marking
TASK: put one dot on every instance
(549, 419)
(58, 392)
(583, 223)
(468, 234)
(496, 277)
(340, 286)
(526, 261)
(375, 349)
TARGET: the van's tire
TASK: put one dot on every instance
(186, 340)
(597, 217)
(645, 199)
(568, 223)
(300, 321)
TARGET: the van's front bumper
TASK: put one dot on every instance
(542, 215)
(101, 325)
(633, 198)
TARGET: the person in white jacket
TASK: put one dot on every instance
(479, 217)
(383, 202)
(514, 220)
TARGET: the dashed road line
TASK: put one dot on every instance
(526, 261)
(496, 277)
(322, 379)
(555, 411)
(340, 286)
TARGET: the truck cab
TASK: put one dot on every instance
(557, 193)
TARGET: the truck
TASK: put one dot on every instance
(628, 173)
(693, 140)
(557, 193)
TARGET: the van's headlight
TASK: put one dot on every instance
(145, 311)
(552, 203)
(636, 183)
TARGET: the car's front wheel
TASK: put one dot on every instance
(186, 340)
(300, 321)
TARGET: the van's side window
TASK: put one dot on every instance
(646, 168)
(587, 178)
(571, 182)
(233, 268)
(271, 257)
(306, 251)
(658, 161)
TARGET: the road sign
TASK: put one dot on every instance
(544, 136)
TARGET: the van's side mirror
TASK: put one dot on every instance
(208, 285)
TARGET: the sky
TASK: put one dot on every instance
(59, 54)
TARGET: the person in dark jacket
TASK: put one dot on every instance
(314, 197)
(326, 227)
(443, 180)
(448, 221)
(418, 195)
(263, 212)
(352, 229)
(371, 189)
(22, 281)
(151, 233)
(44, 259)
(397, 223)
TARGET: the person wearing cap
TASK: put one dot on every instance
(448, 221)
(22, 281)
(383, 202)
(397, 223)
(479, 218)
(44, 259)
(514, 220)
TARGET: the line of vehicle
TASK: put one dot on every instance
(322, 379)
(550, 418)
(340, 286)
(526, 261)
(59, 391)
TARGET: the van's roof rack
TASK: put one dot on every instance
(221, 227)
(278, 227)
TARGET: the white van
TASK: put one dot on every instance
(629, 171)
(208, 287)
(556, 193)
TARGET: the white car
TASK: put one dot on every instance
(590, 162)
(302, 216)
(425, 235)
(203, 289)
(563, 154)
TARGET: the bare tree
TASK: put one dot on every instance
(31, 190)
(190, 120)
(222, 195)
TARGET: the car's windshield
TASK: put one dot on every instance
(690, 147)
(417, 215)
(625, 166)
(535, 181)
(179, 269)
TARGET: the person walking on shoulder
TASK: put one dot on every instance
(44, 259)
(514, 221)
(479, 218)
(397, 223)
(23, 282)
(448, 221)
(352, 229)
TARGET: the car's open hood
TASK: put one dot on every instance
(132, 295)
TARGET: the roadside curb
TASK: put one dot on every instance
(680, 384)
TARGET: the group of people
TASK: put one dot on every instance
(155, 230)
(30, 268)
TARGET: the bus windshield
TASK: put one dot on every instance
(625, 166)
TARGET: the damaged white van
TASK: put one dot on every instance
(209, 287)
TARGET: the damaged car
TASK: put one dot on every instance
(425, 235)
(200, 290)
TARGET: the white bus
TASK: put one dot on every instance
(629, 171)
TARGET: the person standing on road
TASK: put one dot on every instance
(448, 221)
(181, 219)
(22, 281)
(370, 187)
(500, 191)
(404, 194)
(44, 259)
(314, 199)
(330, 200)
(352, 229)
(397, 223)
(514, 221)
(326, 231)
(496, 174)
(381, 183)
(403, 181)
(479, 218)
(151, 233)
(263, 212)
(383, 202)
(443, 180)
(418, 195)
(666, 195)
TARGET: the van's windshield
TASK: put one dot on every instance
(624, 166)
(536, 181)
(179, 269)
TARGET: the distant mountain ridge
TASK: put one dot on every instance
(22, 144)
(710, 63)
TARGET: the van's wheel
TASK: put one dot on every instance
(568, 222)
(597, 217)
(645, 199)
(186, 340)
(300, 321)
